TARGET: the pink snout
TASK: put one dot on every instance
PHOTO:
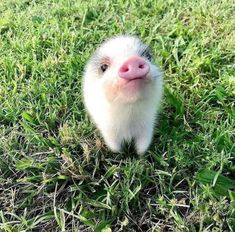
(134, 68)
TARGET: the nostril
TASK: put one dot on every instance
(141, 66)
(124, 69)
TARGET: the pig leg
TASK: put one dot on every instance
(113, 141)
(143, 140)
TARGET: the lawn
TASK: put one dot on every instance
(56, 174)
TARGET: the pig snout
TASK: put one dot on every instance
(134, 68)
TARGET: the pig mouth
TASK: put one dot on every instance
(143, 79)
(136, 78)
(135, 84)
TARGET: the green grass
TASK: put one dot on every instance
(56, 174)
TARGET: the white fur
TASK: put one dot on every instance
(120, 114)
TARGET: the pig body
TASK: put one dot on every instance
(122, 90)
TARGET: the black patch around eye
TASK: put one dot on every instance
(147, 54)
(104, 67)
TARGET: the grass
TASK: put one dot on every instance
(56, 172)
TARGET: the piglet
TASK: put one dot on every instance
(122, 90)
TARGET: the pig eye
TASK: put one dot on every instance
(104, 67)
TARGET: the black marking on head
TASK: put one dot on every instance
(146, 53)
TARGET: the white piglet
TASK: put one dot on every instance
(122, 90)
